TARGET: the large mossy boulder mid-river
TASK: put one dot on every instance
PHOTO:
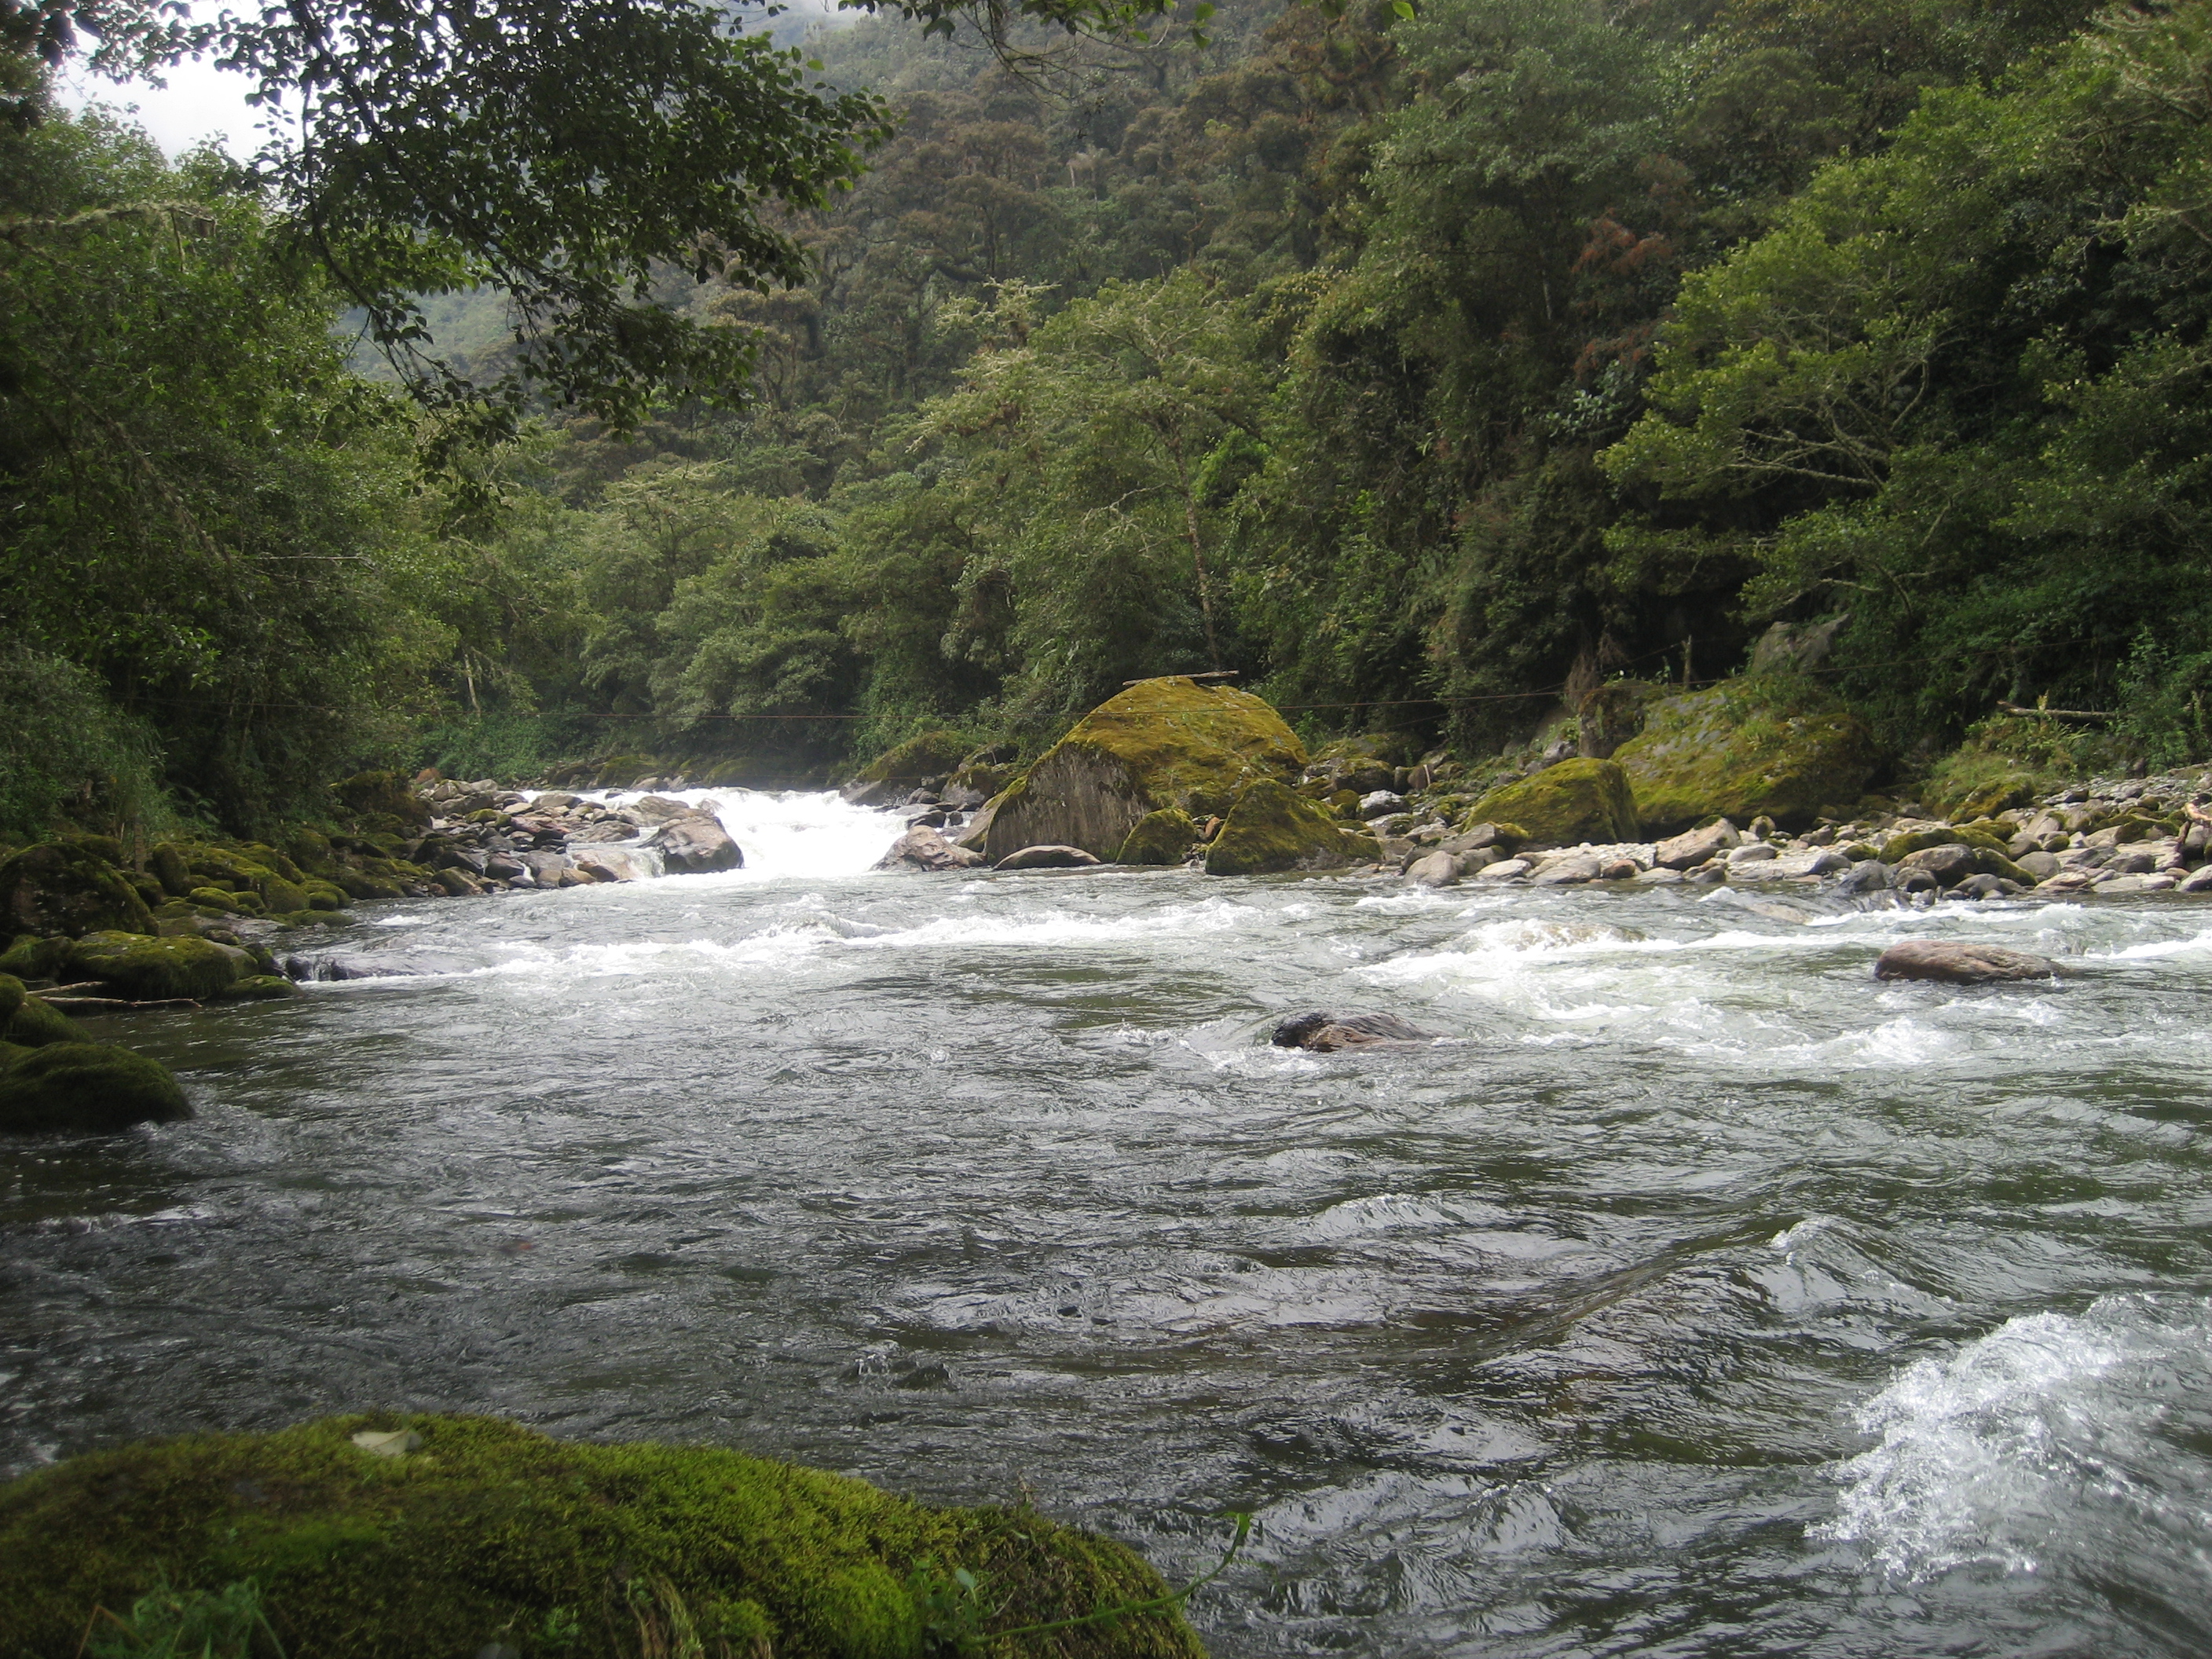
(1565, 805)
(1173, 742)
(369, 1538)
(1272, 829)
(1773, 744)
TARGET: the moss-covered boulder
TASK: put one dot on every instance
(71, 886)
(29, 957)
(259, 988)
(1773, 744)
(172, 869)
(383, 794)
(11, 998)
(1172, 742)
(1563, 806)
(155, 970)
(1273, 828)
(1163, 837)
(36, 1024)
(88, 1087)
(925, 755)
(310, 849)
(374, 1537)
(360, 884)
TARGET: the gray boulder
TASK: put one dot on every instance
(1437, 869)
(1381, 804)
(1948, 864)
(1694, 846)
(925, 849)
(1867, 875)
(695, 845)
(1945, 962)
(1045, 858)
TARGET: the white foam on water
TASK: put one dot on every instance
(1055, 928)
(808, 835)
(2042, 1431)
(2152, 949)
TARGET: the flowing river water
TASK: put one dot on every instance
(1696, 1295)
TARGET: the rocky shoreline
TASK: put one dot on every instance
(1172, 772)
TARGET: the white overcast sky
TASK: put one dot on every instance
(200, 101)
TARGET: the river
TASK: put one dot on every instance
(1696, 1295)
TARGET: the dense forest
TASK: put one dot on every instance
(1431, 367)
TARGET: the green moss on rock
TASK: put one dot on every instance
(1273, 828)
(926, 755)
(310, 849)
(259, 988)
(32, 957)
(1171, 742)
(383, 794)
(37, 1022)
(172, 869)
(70, 887)
(11, 998)
(153, 969)
(88, 1087)
(1576, 801)
(487, 1534)
(1777, 744)
(1163, 837)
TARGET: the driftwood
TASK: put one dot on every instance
(108, 1005)
(2058, 714)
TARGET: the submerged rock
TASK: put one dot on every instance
(1047, 857)
(1772, 744)
(1949, 963)
(1170, 742)
(362, 964)
(385, 1546)
(1325, 1033)
(1576, 801)
(88, 1087)
(1272, 828)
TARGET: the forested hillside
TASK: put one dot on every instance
(1430, 371)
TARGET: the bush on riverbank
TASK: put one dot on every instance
(484, 1534)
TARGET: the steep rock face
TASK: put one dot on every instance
(1563, 805)
(1271, 830)
(1772, 744)
(1162, 742)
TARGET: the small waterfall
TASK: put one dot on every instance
(784, 835)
